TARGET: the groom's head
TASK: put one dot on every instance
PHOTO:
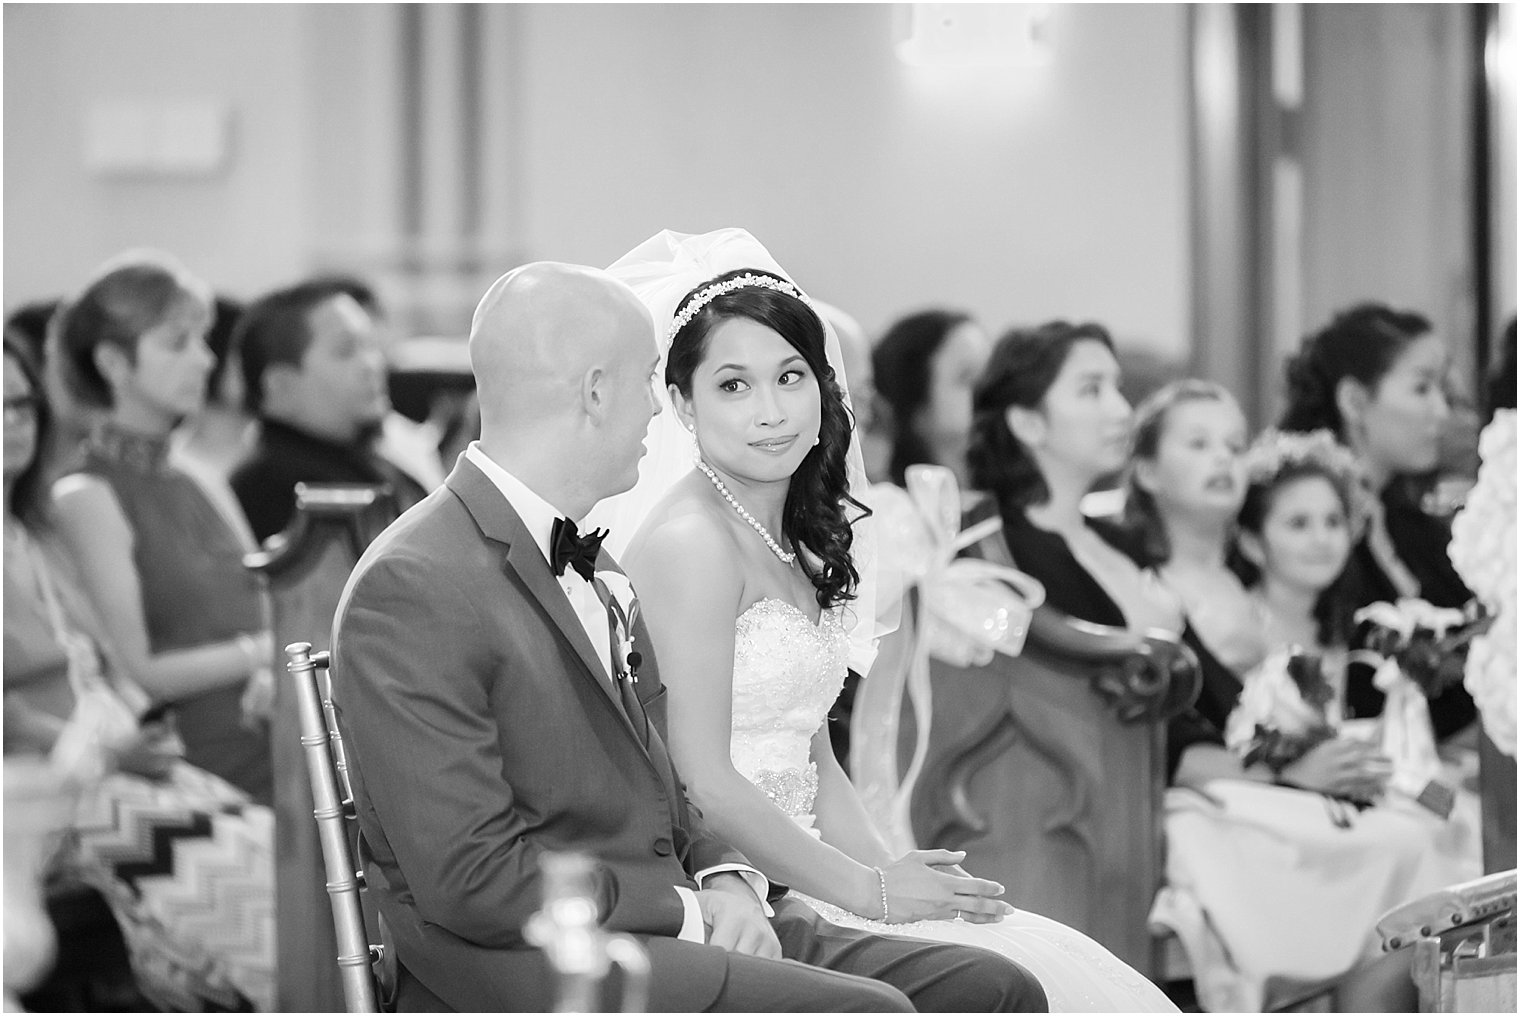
(564, 358)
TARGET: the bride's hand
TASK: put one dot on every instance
(920, 886)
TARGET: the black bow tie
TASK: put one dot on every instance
(568, 547)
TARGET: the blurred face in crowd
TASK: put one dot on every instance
(1398, 429)
(165, 381)
(944, 420)
(755, 405)
(1305, 536)
(20, 420)
(1198, 468)
(1082, 426)
(339, 391)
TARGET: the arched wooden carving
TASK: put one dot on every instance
(1048, 770)
(306, 567)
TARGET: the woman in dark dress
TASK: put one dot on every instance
(160, 563)
(197, 918)
(1375, 378)
(1049, 423)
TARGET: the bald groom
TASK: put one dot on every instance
(488, 719)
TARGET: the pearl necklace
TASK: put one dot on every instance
(787, 557)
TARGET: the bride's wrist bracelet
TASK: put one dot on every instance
(881, 880)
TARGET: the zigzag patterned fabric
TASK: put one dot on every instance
(187, 866)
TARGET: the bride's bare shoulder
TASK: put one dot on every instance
(683, 523)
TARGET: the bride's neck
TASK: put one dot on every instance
(765, 500)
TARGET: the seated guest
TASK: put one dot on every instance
(314, 376)
(160, 564)
(924, 367)
(28, 324)
(492, 717)
(1049, 423)
(1375, 378)
(1245, 905)
(197, 919)
(417, 448)
(31, 323)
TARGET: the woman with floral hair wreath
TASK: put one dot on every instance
(1276, 865)
(749, 566)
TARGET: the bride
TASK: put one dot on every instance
(753, 568)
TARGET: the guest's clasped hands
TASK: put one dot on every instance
(1343, 767)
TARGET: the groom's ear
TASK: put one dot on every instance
(593, 392)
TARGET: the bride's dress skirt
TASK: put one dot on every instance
(1078, 974)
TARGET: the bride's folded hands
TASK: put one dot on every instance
(925, 885)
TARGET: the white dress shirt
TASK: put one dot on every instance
(539, 516)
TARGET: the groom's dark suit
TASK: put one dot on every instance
(484, 731)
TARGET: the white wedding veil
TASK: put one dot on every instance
(661, 271)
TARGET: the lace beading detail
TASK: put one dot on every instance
(787, 674)
(791, 790)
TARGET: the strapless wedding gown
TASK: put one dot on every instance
(787, 674)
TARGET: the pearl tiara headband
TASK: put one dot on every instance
(717, 289)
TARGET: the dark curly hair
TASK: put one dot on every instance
(28, 496)
(902, 362)
(1333, 605)
(1141, 516)
(1024, 364)
(816, 513)
(1362, 342)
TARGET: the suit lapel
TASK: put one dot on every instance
(499, 522)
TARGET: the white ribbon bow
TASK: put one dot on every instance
(968, 610)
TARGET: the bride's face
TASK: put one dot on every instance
(755, 405)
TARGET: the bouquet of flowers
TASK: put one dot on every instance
(1418, 650)
(1428, 644)
(1282, 712)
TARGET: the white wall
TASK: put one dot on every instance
(1018, 194)
(242, 228)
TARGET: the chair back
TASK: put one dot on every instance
(334, 807)
(305, 568)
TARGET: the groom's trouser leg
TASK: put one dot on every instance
(756, 985)
(935, 976)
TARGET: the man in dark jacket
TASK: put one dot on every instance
(315, 377)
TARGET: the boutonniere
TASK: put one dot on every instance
(629, 657)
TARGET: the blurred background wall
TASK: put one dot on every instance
(433, 147)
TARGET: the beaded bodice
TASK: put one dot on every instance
(787, 674)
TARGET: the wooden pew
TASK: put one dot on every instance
(306, 567)
(1048, 769)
